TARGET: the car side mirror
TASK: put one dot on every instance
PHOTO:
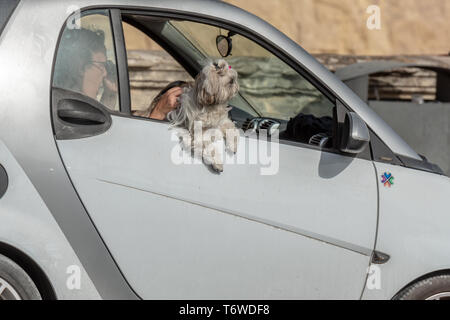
(354, 135)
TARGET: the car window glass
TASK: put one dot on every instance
(86, 61)
(150, 68)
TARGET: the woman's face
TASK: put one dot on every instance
(94, 74)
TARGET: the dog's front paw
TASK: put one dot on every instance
(217, 167)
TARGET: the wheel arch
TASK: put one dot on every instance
(35, 272)
(423, 277)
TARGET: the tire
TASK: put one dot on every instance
(433, 288)
(15, 283)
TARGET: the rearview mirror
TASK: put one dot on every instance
(355, 134)
(224, 44)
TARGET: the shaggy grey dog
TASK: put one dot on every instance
(204, 108)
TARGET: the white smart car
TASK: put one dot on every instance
(93, 205)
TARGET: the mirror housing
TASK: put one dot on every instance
(354, 135)
(224, 44)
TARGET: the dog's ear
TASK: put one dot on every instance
(207, 98)
(205, 91)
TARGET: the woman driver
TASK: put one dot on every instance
(82, 66)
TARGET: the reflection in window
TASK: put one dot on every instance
(86, 61)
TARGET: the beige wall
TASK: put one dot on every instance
(339, 26)
(137, 40)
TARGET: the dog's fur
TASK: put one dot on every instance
(207, 101)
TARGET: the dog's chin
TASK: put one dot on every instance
(221, 101)
(214, 100)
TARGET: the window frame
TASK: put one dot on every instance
(115, 18)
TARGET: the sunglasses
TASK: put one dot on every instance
(100, 64)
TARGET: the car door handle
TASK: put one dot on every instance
(80, 113)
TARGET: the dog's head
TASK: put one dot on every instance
(216, 83)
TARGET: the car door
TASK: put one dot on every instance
(285, 219)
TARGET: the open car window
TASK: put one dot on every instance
(150, 68)
(272, 87)
(272, 94)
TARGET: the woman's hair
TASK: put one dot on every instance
(74, 54)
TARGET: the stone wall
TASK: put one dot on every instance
(339, 26)
(149, 73)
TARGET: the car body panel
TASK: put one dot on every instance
(28, 44)
(27, 225)
(287, 235)
(413, 228)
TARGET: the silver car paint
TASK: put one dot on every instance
(27, 225)
(27, 48)
(28, 44)
(287, 235)
(413, 228)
